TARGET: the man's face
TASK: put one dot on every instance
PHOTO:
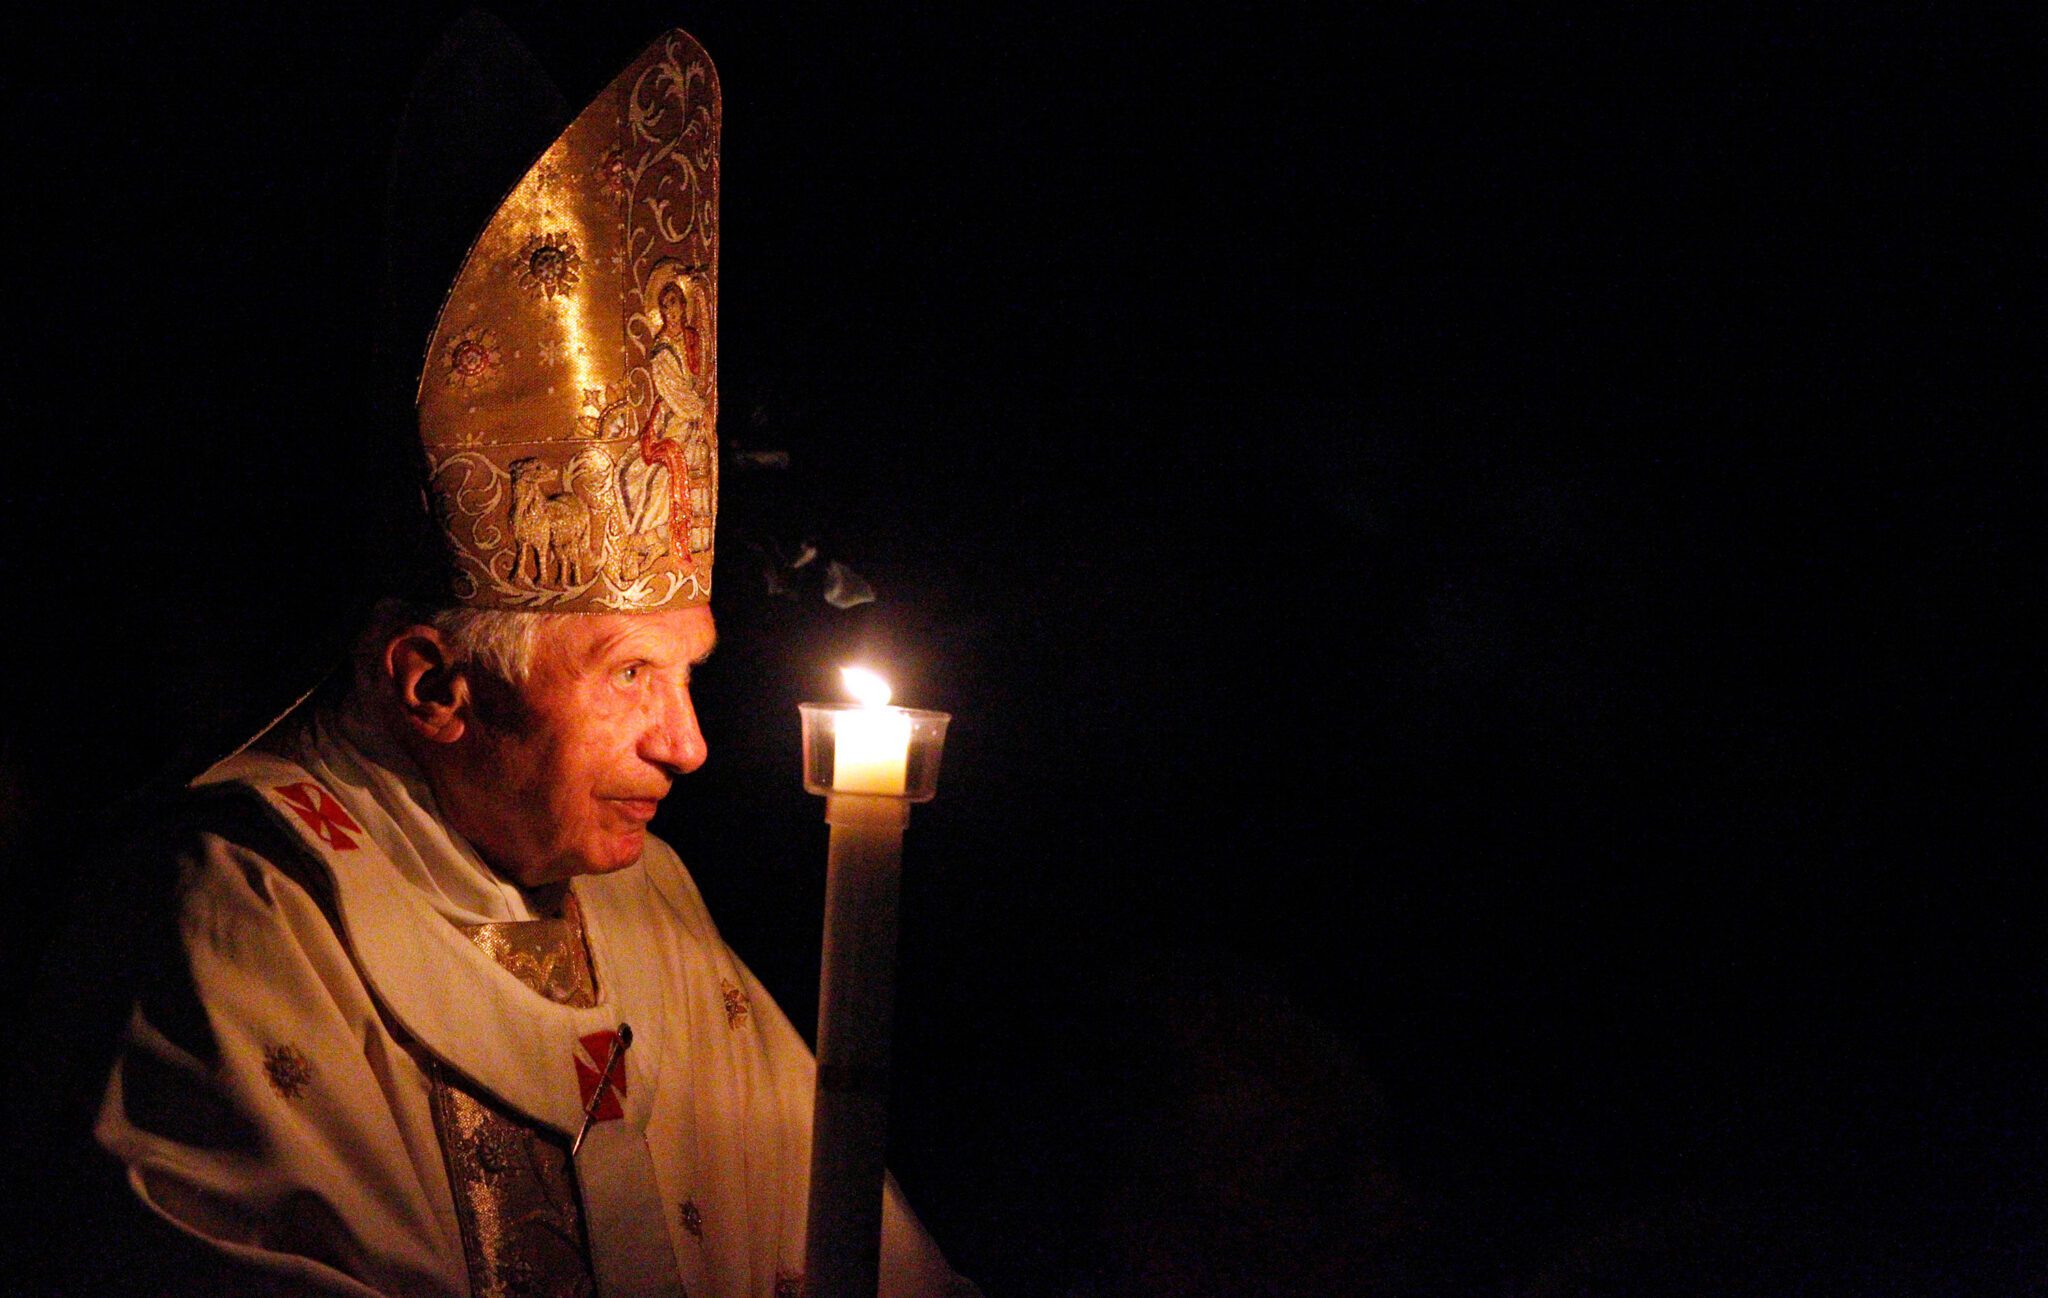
(559, 776)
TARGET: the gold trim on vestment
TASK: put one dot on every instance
(515, 1190)
(547, 955)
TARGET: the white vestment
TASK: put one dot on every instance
(281, 1110)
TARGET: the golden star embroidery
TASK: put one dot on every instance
(288, 1070)
(548, 265)
(737, 1010)
(499, 1149)
(613, 174)
(472, 358)
(693, 1220)
(517, 1276)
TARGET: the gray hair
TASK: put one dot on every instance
(500, 641)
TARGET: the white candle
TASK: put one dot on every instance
(870, 744)
(857, 989)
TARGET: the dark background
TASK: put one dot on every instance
(1475, 555)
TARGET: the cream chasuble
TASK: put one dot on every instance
(392, 1055)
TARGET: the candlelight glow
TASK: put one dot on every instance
(868, 689)
(873, 740)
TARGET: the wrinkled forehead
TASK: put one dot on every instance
(670, 636)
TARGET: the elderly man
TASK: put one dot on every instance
(445, 1018)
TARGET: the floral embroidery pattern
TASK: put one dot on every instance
(613, 174)
(499, 1149)
(517, 1276)
(289, 1070)
(549, 265)
(737, 1010)
(607, 412)
(473, 357)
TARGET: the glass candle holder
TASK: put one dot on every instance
(886, 752)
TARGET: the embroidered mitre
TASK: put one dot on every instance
(569, 395)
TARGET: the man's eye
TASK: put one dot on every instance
(628, 675)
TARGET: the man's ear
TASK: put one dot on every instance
(428, 683)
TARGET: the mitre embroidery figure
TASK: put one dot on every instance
(673, 435)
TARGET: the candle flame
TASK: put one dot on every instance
(870, 690)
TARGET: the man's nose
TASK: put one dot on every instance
(672, 740)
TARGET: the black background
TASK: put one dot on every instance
(1475, 555)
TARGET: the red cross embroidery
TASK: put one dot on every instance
(322, 814)
(590, 1059)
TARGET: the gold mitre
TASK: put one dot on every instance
(569, 396)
